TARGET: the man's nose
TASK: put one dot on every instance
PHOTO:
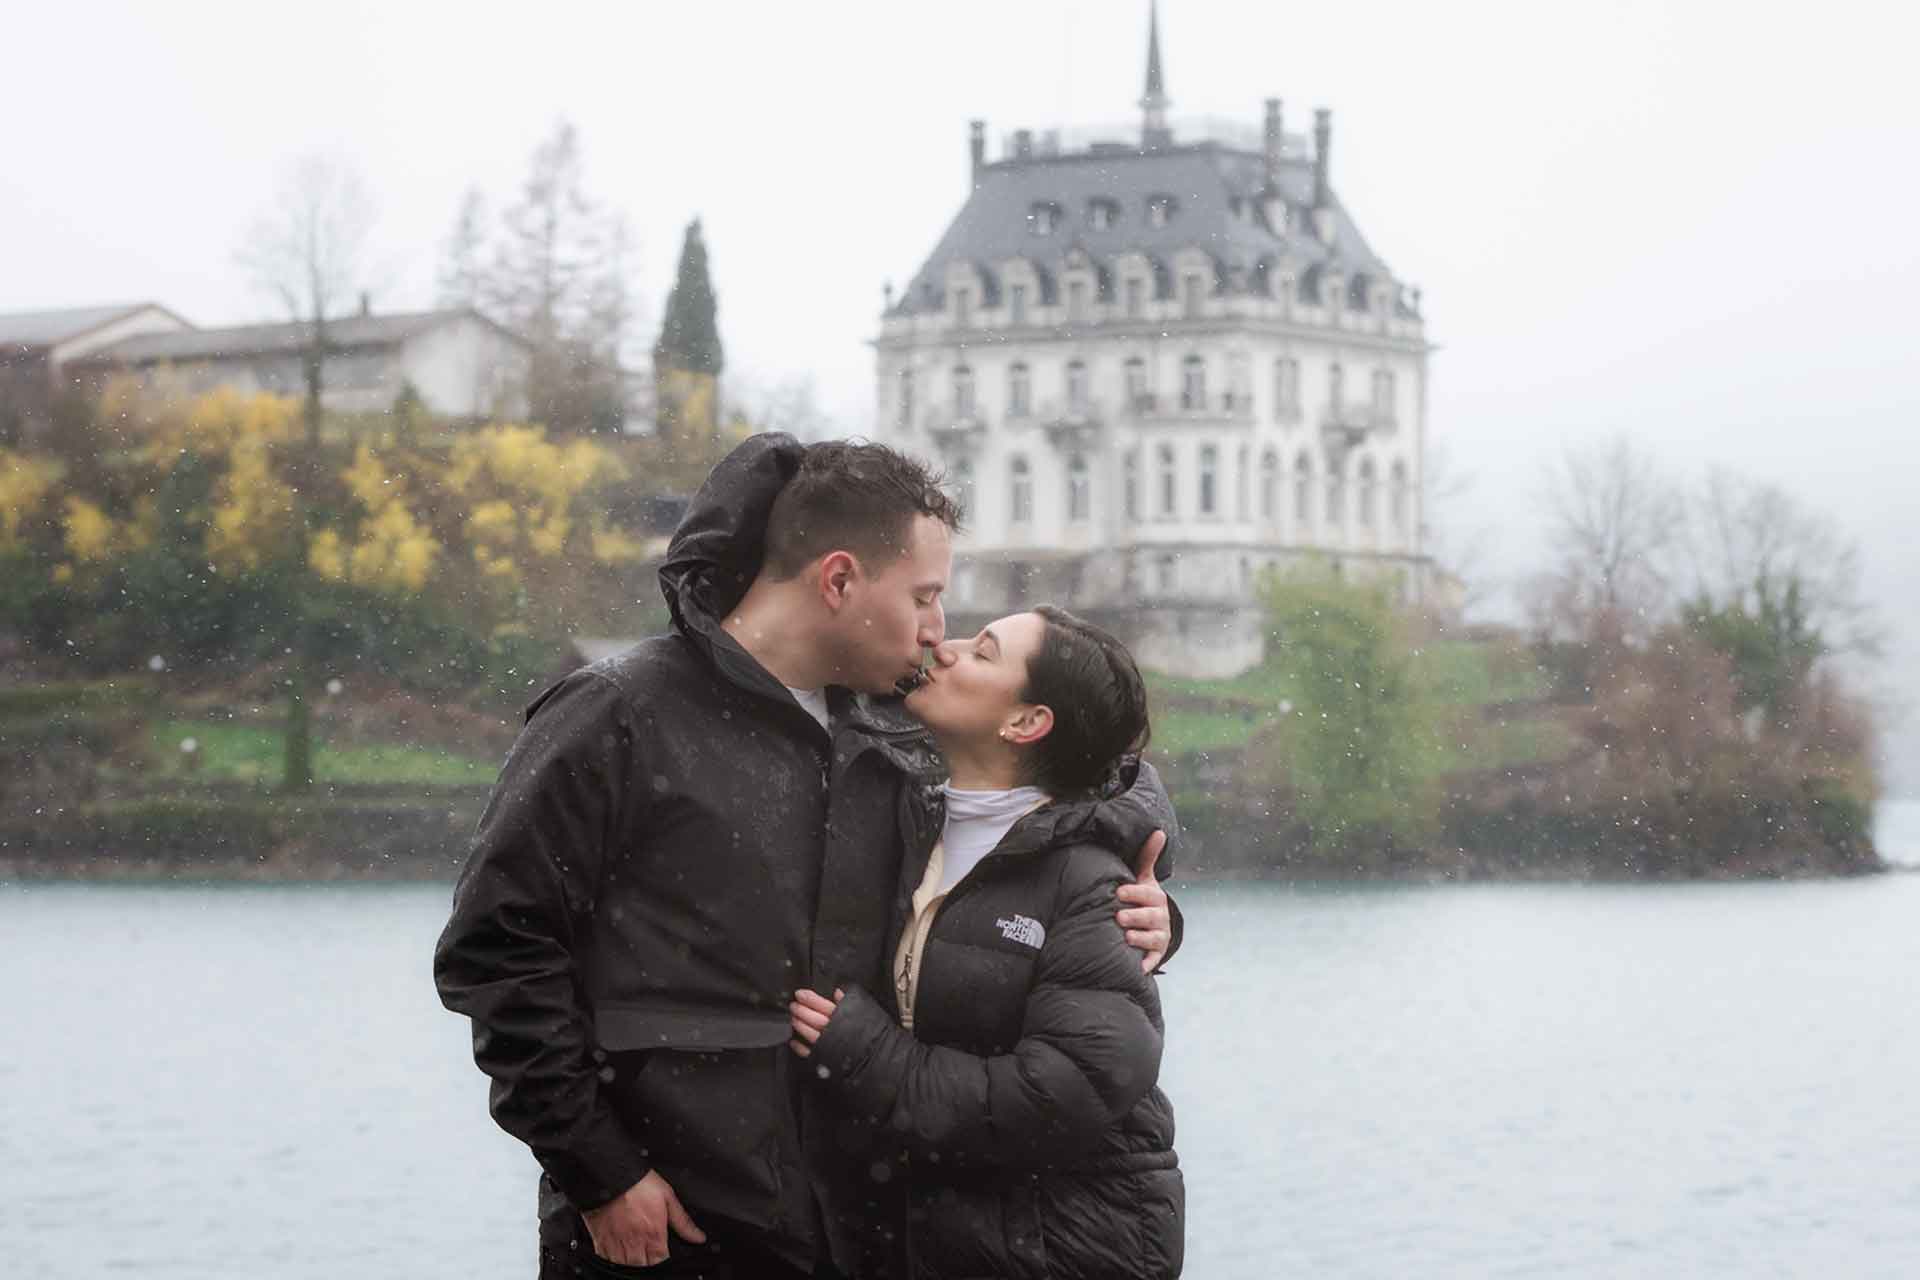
(934, 631)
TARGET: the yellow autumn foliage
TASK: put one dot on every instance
(392, 549)
(88, 531)
(25, 483)
(524, 495)
(252, 507)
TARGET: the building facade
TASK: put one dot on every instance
(1152, 367)
(37, 346)
(459, 363)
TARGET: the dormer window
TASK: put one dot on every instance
(1017, 304)
(1136, 297)
(1159, 210)
(1043, 218)
(1076, 300)
(963, 307)
(1102, 214)
(1195, 288)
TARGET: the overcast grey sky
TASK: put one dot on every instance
(1696, 222)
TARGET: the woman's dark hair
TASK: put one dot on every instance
(1099, 704)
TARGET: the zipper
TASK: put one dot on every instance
(904, 994)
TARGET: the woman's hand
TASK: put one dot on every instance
(810, 1012)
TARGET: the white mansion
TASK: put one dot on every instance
(1153, 367)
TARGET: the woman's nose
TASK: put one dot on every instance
(945, 655)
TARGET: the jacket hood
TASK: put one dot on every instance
(717, 550)
(1119, 819)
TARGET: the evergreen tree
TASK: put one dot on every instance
(686, 370)
(690, 334)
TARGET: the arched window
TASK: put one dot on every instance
(1368, 497)
(1130, 468)
(1137, 396)
(1193, 383)
(1209, 480)
(1169, 483)
(1336, 509)
(1079, 489)
(962, 392)
(1166, 576)
(1397, 496)
(1303, 491)
(906, 397)
(1022, 489)
(963, 485)
(1019, 391)
(1076, 386)
(1270, 487)
(1336, 385)
(1242, 468)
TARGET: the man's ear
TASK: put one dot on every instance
(838, 571)
(1032, 724)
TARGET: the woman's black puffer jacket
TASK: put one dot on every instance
(1022, 1108)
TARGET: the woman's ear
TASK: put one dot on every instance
(1029, 725)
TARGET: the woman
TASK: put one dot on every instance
(1011, 1074)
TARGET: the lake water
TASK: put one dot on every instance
(1477, 1081)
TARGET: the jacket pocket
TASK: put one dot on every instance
(702, 1095)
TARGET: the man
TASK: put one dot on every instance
(687, 833)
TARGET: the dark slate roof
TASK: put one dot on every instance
(1203, 179)
(46, 328)
(275, 339)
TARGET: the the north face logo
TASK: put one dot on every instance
(1023, 930)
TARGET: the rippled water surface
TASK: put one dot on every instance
(1713, 1080)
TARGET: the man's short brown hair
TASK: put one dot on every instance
(862, 498)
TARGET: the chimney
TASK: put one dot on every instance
(1273, 140)
(977, 146)
(1023, 144)
(1322, 146)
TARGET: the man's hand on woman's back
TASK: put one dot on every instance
(1143, 911)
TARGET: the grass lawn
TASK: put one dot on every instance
(229, 752)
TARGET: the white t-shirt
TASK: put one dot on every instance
(976, 822)
(814, 702)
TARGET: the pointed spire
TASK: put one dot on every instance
(1154, 104)
(1156, 86)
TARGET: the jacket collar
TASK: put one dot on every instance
(1120, 818)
